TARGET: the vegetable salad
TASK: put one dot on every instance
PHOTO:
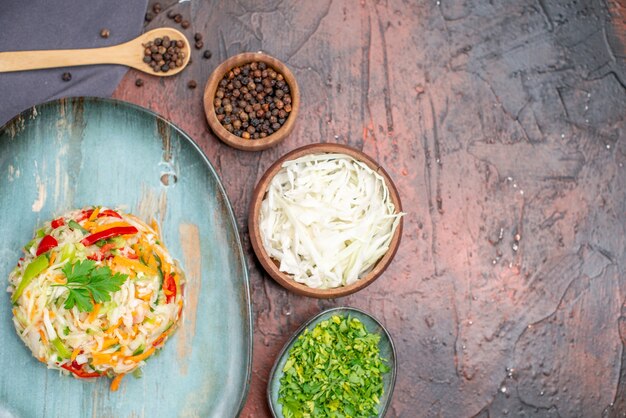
(96, 293)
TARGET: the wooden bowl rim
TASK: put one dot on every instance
(271, 266)
(211, 88)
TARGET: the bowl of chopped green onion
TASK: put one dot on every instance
(342, 362)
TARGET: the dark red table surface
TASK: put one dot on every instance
(503, 128)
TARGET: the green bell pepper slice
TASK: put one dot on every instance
(35, 267)
(61, 348)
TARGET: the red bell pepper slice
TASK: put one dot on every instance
(84, 215)
(106, 247)
(169, 288)
(104, 253)
(108, 233)
(110, 213)
(78, 371)
(159, 340)
(46, 244)
(57, 223)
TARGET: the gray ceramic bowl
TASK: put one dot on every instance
(387, 351)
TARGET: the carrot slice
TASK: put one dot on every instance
(141, 356)
(44, 340)
(53, 256)
(94, 214)
(75, 354)
(132, 264)
(101, 358)
(94, 313)
(115, 384)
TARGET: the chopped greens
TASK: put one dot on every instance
(333, 370)
(87, 283)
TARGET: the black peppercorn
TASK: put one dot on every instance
(192, 84)
(185, 24)
(164, 54)
(156, 8)
(139, 82)
(66, 76)
(199, 44)
(254, 98)
(149, 16)
(178, 18)
(207, 54)
(104, 33)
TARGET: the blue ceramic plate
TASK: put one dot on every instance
(77, 152)
(387, 351)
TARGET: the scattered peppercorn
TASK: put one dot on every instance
(156, 8)
(197, 37)
(164, 54)
(105, 33)
(199, 44)
(185, 24)
(178, 18)
(207, 54)
(192, 84)
(66, 76)
(149, 17)
(252, 101)
(139, 82)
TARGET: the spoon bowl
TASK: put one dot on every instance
(129, 53)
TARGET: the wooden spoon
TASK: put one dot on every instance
(130, 54)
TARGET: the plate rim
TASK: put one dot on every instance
(32, 111)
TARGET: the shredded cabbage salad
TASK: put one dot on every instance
(96, 293)
(327, 219)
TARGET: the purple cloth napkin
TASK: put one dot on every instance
(63, 24)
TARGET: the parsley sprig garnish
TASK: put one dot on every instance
(88, 284)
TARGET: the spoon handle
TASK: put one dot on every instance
(35, 60)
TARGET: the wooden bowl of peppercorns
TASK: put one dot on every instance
(251, 101)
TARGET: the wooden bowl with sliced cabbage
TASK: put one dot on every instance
(325, 220)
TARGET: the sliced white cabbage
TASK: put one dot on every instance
(327, 219)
